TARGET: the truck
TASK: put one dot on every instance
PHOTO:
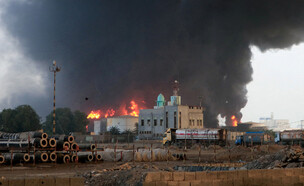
(290, 137)
(204, 136)
(253, 138)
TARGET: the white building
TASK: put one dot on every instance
(123, 123)
(275, 124)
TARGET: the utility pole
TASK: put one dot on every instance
(54, 69)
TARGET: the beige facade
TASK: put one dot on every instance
(152, 123)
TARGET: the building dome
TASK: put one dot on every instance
(160, 100)
(160, 97)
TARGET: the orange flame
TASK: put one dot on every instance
(94, 114)
(132, 110)
(109, 112)
(234, 121)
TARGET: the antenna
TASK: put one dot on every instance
(54, 69)
(175, 88)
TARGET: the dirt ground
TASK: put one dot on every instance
(132, 173)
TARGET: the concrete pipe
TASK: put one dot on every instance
(53, 156)
(52, 142)
(74, 158)
(98, 157)
(74, 146)
(69, 139)
(2, 159)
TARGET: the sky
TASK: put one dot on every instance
(275, 88)
(277, 85)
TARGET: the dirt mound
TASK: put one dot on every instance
(285, 158)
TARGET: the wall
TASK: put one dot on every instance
(274, 177)
(49, 181)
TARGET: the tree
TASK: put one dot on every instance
(66, 121)
(81, 121)
(114, 130)
(21, 119)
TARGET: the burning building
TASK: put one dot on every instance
(123, 123)
(124, 118)
(152, 123)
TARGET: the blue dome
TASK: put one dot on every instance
(161, 98)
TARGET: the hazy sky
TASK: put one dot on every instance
(277, 85)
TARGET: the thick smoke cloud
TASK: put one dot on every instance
(113, 51)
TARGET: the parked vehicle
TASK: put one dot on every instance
(253, 138)
(187, 136)
(290, 137)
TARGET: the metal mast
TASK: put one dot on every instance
(54, 69)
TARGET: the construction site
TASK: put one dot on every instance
(171, 147)
(151, 93)
(33, 158)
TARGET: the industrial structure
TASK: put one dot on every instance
(152, 123)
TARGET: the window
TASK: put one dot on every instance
(161, 122)
(142, 122)
(148, 121)
(201, 122)
(155, 122)
(166, 119)
(189, 122)
(197, 122)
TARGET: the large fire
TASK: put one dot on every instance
(234, 121)
(132, 109)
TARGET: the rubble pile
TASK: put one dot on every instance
(285, 158)
(125, 174)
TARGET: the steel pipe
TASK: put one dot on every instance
(74, 146)
(70, 139)
(52, 142)
(63, 158)
(10, 143)
(2, 159)
(83, 157)
(63, 145)
(74, 158)
(41, 156)
(53, 156)
(87, 146)
(98, 157)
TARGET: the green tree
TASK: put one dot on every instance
(21, 119)
(114, 130)
(81, 121)
(66, 121)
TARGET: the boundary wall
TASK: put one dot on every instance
(275, 177)
(43, 181)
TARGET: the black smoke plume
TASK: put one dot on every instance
(115, 50)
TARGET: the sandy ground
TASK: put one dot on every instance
(132, 173)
